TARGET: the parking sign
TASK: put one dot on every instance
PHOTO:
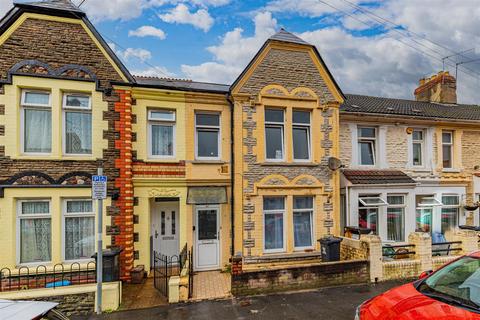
(99, 187)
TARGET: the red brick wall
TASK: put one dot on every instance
(123, 221)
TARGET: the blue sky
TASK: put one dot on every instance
(375, 47)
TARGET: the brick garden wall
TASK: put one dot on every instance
(301, 277)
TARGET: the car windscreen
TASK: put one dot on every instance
(457, 283)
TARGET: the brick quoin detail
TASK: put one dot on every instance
(124, 220)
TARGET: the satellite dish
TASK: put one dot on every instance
(334, 163)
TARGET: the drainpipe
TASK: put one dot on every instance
(232, 176)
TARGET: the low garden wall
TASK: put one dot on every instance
(300, 277)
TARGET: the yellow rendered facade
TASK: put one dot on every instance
(151, 186)
(12, 118)
(9, 239)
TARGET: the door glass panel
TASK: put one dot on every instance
(163, 223)
(367, 218)
(173, 223)
(207, 224)
(424, 220)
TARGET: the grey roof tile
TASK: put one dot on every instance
(286, 36)
(64, 5)
(377, 105)
(179, 84)
(377, 177)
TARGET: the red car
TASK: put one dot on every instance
(452, 292)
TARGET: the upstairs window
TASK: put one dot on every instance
(274, 139)
(301, 135)
(207, 131)
(367, 137)
(418, 138)
(161, 124)
(77, 110)
(447, 149)
(36, 122)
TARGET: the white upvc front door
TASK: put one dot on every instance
(207, 237)
(165, 228)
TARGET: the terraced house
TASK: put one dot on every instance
(243, 175)
(410, 165)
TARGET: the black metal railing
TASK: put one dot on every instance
(399, 251)
(445, 248)
(165, 266)
(190, 274)
(60, 275)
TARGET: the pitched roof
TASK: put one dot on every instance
(181, 84)
(401, 107)
(286, 36)
(61, 5)
(377, 177)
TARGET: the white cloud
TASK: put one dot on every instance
(154, 71)
(124, 10)
(182, 15)
(5, 5)
(147, 31)
(139, 53)
(234, 52)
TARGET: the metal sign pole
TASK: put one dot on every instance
(99, 250)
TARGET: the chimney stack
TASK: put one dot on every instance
(440, 88)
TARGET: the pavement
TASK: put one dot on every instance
(337, 303)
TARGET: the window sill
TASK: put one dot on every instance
(161, 160)
(451, 170)
(55, 158)
(420, 169)
(289, 164)
(208, 162)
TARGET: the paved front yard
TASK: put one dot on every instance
(330, 304)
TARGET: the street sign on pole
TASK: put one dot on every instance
(99, 192)
(99, 187)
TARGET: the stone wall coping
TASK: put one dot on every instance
(302, 266)
(58, 291)
(282, 256)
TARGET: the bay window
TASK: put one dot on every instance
(396, 217)
(303, 222)
(77, 137)
(79, 225)
(301, 135)
(161, 130)
(368, 207)
(274, 217)
(447, 149)
(36, 113)
(450, 211)
(207, 133)
(367, 137)
(274, 136)
(418, 138)
(34, 231)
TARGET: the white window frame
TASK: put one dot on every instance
(164, 122)
(66, 215)
(372, 141)
(283, 212)
(210, 128)
(280, 125)
(312, 221)
(422, 148)
(451, 143)
(380, 202)
(436, 202)
(19, 217)
(309, 135)
(396, 206)
(450, 206)
(34, 106)
(65, 109)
